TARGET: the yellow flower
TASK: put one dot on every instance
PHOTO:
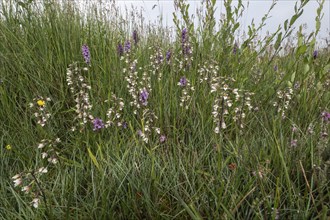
(8, 147)
(41, 103)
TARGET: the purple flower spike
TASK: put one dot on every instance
(168, 56)
(315, 54)
(187, 50)
(120, 49)
(135, 37)
(125, 125)
(294, 143)
(183, 82)
(184, 35)
(97, 124)
(127, 46)
(86, 53)
(235, 48)
(275, 68)
(162, 138)
(144, 95)
(325, 116)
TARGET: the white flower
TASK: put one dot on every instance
(41, 145)
(26, 189)
(18, 182)
(157, 130)
(35, 202)
(43, 170)
(44, 155)
(16, 176)
(53, 160)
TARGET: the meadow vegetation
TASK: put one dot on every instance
(106, 117)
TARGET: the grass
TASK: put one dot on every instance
(244, 137)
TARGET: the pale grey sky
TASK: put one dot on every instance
(283, 10)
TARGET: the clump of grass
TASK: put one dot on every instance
(141, 125)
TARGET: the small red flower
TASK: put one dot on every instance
(232, 166)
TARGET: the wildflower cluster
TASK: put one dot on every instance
(186, 51)
(283, 100)
(41, 113)
(229, 103)
(148, 119)
(256, 74)
(323, 148)
(80, 91)
(261, 172)
(30, 183)
(114, 113)
(124, 50)
(127, 46)
(185, 45)
(49, 150)
(138, 89)
(132, 84)
(325, 125)
(207, 71)
(156, 61)
(294, 136)
(187, 89)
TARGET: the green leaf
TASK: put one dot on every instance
(286, 24)
(306, 68)
(295, 17)
(236, 26)
(318, 24)
(94, 160)
(278, 41)
(301, 50)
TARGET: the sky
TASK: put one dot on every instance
(283, 10)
